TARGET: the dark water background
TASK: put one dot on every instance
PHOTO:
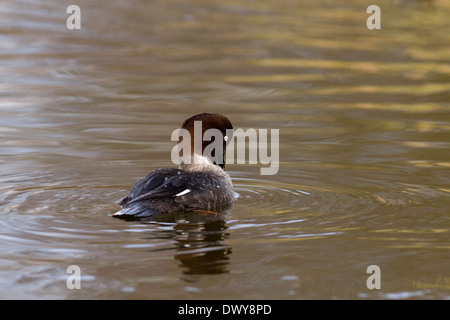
(364, 120)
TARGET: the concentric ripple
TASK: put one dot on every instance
(282, 210)
(279, 197)
(276, 196)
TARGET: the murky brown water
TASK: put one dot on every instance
(364, 120)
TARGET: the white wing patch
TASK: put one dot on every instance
(118, 213)
(182, 193)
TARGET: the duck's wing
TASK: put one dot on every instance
(165, 191)
(205, 191)
(150, 184)
(190, 191)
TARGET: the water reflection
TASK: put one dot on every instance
(200, 241)
(202, 247)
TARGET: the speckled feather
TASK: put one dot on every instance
(159, 192)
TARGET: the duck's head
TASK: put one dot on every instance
(201, 136)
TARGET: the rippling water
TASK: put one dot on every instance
(364, 148)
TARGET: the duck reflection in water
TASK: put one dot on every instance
(200, 241)
(202, 247)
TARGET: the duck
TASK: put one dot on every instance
(200, 183)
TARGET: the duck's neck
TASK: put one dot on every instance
(200, 163)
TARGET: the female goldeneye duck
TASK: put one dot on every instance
(200, 182)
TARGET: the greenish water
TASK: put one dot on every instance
(364, 120)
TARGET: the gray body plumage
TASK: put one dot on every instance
(178, 190)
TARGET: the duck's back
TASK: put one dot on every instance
(172, 190)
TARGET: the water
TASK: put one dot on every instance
(364, 151)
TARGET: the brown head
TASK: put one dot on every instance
(209, 121)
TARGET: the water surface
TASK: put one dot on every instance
(364, 150)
